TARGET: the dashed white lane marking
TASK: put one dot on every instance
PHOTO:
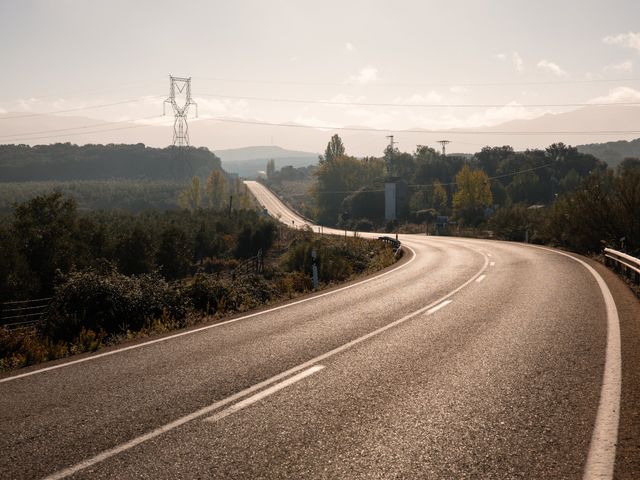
(493, 264)
(439, 306)
(481, 278)
(264, 393)
(433, 306)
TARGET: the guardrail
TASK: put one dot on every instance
(23, 314)
(397, 246)
(623, 263)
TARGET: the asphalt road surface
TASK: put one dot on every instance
(467, 359)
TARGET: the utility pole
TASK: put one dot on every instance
(444, 144)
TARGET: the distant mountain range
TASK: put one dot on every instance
(248, 161)
(613, 152)
(224, 137)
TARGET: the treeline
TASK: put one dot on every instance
(433, 181)
(128, 195)
(488, 190)
(69, 162)
(47, 237)
(115, 276)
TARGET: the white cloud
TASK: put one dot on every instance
(629, 39)
(552, 67)
(365, 75)
(518, 63)
(618, 95)
(626, 66)
(350, 47)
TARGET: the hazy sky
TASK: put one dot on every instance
(63, 54)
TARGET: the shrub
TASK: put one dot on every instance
(110, 303)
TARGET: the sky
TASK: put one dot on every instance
(380, 64)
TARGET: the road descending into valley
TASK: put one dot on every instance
(466, 359)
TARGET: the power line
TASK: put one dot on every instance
(438, 132)
(130, 127)
(430, 185)
(414, 105)
(77, 109)
(422, 84)
(80, 127)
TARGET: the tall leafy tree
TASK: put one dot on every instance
(46, 227)
(335, 149)
(189, 198)
(472, 196)
(216, 190)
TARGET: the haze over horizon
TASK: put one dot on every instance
(411, 65)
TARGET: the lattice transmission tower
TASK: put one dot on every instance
(180, 112)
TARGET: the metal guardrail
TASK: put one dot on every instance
(23, 314)
(623, 263)
(397, 246)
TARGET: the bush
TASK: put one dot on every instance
(212, 295)
(111, 303)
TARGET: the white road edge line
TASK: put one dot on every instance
(439, 306)
(200, 329)
(264, 393)
(236, 396)
(481, 278)
(602, 449)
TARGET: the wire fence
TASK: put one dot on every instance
(22, 314)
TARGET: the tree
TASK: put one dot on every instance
(335, 149)
(135, 253)
(174, 254)
(271, 168)
(46, 228)
(216, 190)
(473, 195)
(189, 198)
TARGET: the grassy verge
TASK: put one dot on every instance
(93, 309)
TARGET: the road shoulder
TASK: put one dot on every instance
(628, 450)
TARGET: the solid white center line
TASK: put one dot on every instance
(438, 307)
(264, 393)
(480, 278)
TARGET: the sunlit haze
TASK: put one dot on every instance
(391, 66)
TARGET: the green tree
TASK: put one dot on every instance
(135, 253)
(334, 150)
(472, 196)
(216, 190)
(46, 227)
(174, 254)
(189, 198)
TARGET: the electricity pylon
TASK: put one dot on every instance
(180, 126)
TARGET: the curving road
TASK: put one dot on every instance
(468, 359)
